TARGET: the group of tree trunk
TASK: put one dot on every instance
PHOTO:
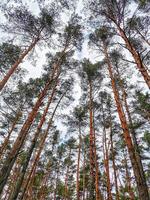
(55, 144)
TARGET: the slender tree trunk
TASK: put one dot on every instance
(92, 158)
(66, 184)
(6, 169)
(84, 175)
(98, 192)
(7, 166)
(42, 194)
(16, 64)
(78, 164)
(34, 141)
(45, 180)
(137, 150)
(15, 175)
(143, 193)
(106, 158)
(27, 184)
(66, 177)
(133, 133)
(114, 168)
(113, 157)
(128, 180)
(136, 57)
(6, 141)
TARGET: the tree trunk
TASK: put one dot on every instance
(114, 168)
(6, 141)
(27, 184)
(113, 157)
(128, 180)
(92, 159)
(6, 169)
(84, 175)
(106, 157)
(133, 134)
(78, 164)
(143, 195)
(16, 64)
(136, 57)
(98, 192)
(33, 143)
(66, 178)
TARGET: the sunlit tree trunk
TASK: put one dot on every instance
(114, 167)
(6, 141)
(106, 157)
(113, 157)
(16, 64)
(92, 158)
(66, 178)
(84, 175)
(8, 164)
(34, 141)
(41, 146)
(131, 150)
(78, 164)
(133, 133)
(137, 150)
(128, 180)
(136, 56)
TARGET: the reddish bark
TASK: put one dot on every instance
(6, 141)
(141, 189)
(41, 146)
(23, 133)
(128, 180)
(16, 64)
(78, 165)
(136, 57)
(106, 157)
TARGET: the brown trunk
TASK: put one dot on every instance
(84, 176)
(6, 141)
(137, 150)
(113, 157)
(141, 189)
(23, 133)
(41, 146)
(44, 181)
(106, 163)
(33, 143)
(66, 178)
(128, 180)
(93, 155)
(136, 57)
(133, 134)
(15, 175)
(114, 168)
(16, 64)
(78, 165)
(98, 192)
(66, 184)
(20, 140)
(92, 158)
(106, 158)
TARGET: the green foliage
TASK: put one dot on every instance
(90, 69)
(142, 104)
(146, 138)
(9, 53)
